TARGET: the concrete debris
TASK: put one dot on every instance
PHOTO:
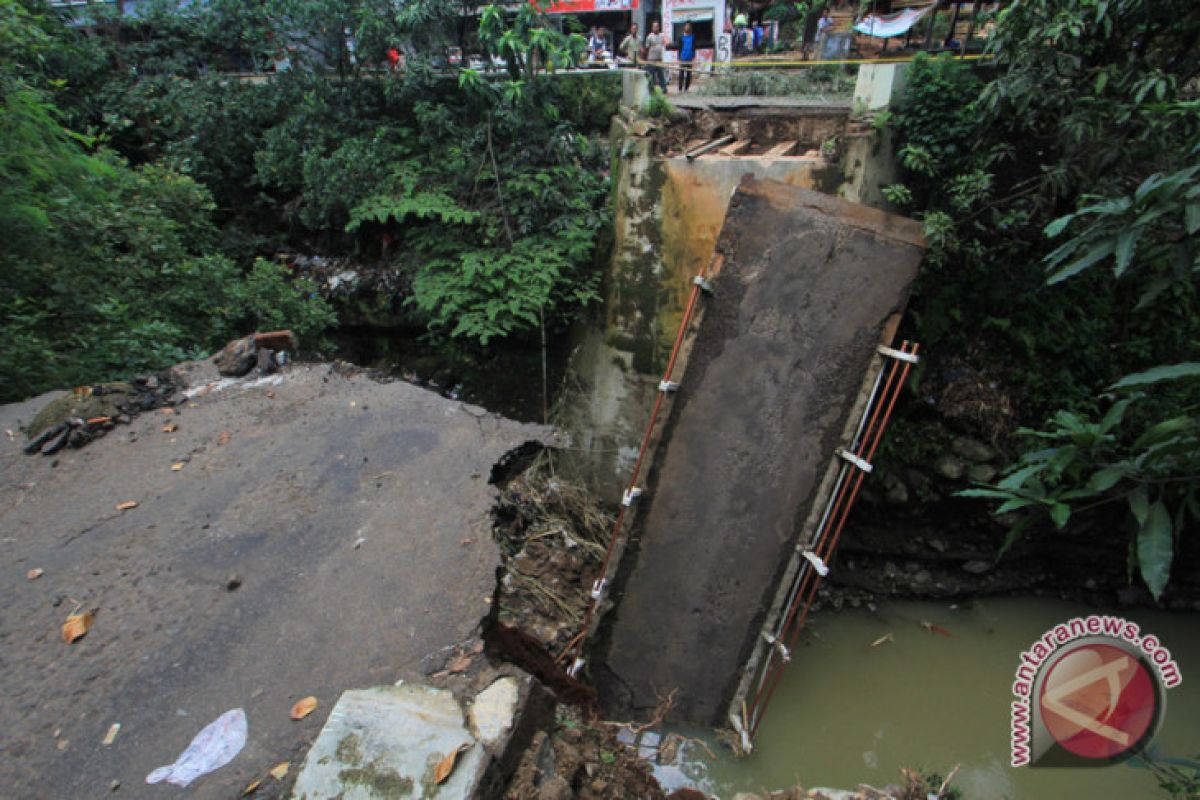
(386, 742)
(260, 350)
(494, 709)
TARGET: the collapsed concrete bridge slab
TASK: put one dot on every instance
(810, 286)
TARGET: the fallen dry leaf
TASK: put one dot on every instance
(178, 465)
(170, 427)
(270, 394)
(83, 391)
(446, 765)
(223, 439)
(128, 504)
(459, 664)
(99, 420)
(249, 790)
(35, 573)
(167, 410)
(280, 769)
(112, 734)
(477, 648)
(303, 707)
(62, 743)
(76, 626)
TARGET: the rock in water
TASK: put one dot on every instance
(238, 357)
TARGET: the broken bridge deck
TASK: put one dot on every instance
(808, 287)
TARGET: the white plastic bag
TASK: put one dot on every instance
(214, 747)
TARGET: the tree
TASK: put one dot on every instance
(1085, 129)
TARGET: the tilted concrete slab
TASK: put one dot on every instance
(808, 284)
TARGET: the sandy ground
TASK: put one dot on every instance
(353, 517)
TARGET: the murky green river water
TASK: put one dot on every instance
(849, 713)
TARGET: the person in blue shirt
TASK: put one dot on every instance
(687, 52)
(758, 35)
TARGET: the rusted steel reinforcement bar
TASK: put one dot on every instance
(575, 648)
(825, 543)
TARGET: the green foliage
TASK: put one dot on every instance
(1080, 462)
(1083, 133)
(659, 106)
(1154, 228)
(107, 269)
(818, 82)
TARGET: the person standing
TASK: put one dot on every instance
(739, 33)
(595, 44)
(656, 43)
(758, 35)
(687, 52)
(631, 46)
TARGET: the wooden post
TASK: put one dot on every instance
(953, 23)
(929, 29)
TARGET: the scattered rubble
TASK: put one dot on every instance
(553, 537)
(582, 760)
(89, 412)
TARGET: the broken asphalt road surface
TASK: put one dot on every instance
(323, 532)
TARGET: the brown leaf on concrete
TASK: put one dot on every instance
(128, 504)
(76, 626)
(167, 410)
(459, 664)
(303, 707)
(34, 573)
(177, 466)
(446, 765)
(170, 427)
(223, 439)
(249, 790)
(280, 769)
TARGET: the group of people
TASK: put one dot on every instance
(651, 50)
(748, 38)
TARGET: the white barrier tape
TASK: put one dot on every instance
(630, 495)
(816, 562)
(899, 355)
(862, 464)
(704, 284)
(666, 387)
(598, 588)
(576, 667)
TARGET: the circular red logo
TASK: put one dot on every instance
(1098, 701)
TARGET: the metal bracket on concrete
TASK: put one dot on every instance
(630, 495)
(899, 355)
(861, 463)
(598, 588)
(740, 726)
(820, 566)
(704, 283)
(666, 387)
(784, 653)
